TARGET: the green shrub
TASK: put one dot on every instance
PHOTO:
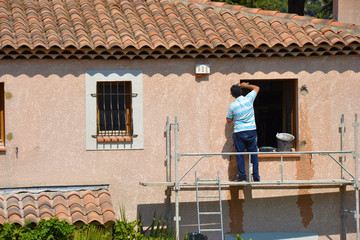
(51, 229)
(90, 232)
(54, 229)
(126, 230)
(157, 230)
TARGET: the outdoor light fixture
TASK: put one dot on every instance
(202, 69)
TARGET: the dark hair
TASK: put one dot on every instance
(235, 91)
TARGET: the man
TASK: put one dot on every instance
(241, 112)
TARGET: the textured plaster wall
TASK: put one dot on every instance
(347, 11)
(45, 113)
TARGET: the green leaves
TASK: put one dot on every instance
(314, 8)
(276, 5)
(127, 230)
(92, 233)
(54, 229)
(157, 230)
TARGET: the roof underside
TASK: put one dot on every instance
(155, 29)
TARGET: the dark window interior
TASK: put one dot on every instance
(275, 110)
(114, 104)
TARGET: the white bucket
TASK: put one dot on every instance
(284, 141)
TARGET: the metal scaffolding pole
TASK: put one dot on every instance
(177, 185)
(356, 184)
(168, 150)
(343, 186)
(168, 171)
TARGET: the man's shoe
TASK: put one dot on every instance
(240, 180)
(256, 180)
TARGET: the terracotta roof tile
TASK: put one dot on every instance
(45, 210)
(76, 208)
(285, 15)
(160, 24)
(82, 205)
(93, 216)
(89, 197)
(108, 216)
(91, 207)
(31, 210)
(251, 10)
(62, 209)
(15, 218)
(31, 218)
(268, 13)
(79, 217)
(2, 218)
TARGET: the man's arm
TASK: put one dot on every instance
(250, 86)
(229, 120)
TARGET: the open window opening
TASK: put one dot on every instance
(275, 110)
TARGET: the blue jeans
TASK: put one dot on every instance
(246, 140)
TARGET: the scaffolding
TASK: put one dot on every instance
(175, 185)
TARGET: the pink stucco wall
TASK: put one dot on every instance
(45, 113)
(347, 11)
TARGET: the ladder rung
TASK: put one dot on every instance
(217, 196)
(209, 213)
(210, 230)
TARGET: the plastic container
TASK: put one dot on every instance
(197, 236)
(284, 141)
(267, 149)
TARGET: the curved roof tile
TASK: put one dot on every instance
(93, 216)
(160, 23)
(2, 219)
(31, 210)
(45, 210)
(32, 218)
(83, 205)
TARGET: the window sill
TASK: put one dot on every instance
(2, 149)
(112, 139)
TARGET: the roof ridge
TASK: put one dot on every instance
(335, 25)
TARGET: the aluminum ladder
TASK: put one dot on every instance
(209, 182)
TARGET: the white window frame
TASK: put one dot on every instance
(92, 77)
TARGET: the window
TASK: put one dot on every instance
(114, 110)
(114, 117)
(2, 114)
(275, 110)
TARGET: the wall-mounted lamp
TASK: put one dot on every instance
(202, 69)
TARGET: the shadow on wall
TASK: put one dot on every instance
(227, 148)
(179, 67)
(274, 214)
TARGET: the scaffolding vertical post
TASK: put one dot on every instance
(342, 141)
(343, 187)
(168, 150)
(168, 171)
(177, 183)
(250, 168)
(356, 125)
